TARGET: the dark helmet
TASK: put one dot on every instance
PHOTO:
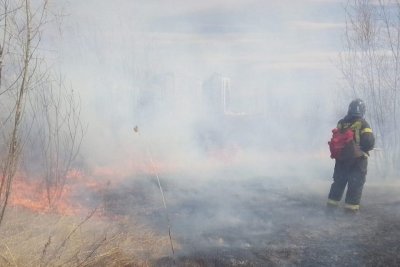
(356, 108)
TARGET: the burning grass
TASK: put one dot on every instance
(76, 230)
(259, 221)
(32, 239)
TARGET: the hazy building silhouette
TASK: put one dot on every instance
(217, 94)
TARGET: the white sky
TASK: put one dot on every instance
(206, 33)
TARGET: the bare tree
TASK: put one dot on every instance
(22, 42)
(38, 112)
(371, 67)
(55, 137)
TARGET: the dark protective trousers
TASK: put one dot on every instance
(353, 175)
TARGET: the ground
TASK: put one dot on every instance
(264, 221)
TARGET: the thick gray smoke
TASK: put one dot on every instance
(254, 78)
(230, 102)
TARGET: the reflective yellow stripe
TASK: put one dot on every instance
(332, 202)
(366, 130)
(352, 207)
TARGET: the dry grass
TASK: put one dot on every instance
(32, 239)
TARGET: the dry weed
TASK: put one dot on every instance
(32, 239)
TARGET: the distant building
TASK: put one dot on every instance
(217, 94)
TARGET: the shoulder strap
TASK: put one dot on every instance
(356, 127)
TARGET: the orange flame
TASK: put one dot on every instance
(31, 192)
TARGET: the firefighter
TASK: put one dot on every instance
(351, 169)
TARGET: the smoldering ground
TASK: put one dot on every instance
(236, 216)
(225, 220)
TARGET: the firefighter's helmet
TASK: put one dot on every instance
(357, 108)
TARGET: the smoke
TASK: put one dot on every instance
(146, 65)
(231, 103)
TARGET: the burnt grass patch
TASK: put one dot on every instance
(262, 221)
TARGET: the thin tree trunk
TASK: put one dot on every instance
(14, 149)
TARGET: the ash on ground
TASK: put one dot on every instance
(262, 221)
